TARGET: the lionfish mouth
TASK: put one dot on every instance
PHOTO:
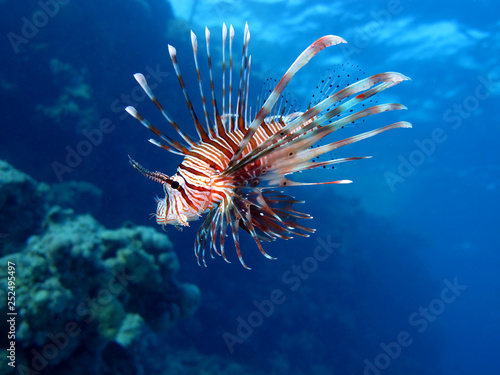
(234, 168)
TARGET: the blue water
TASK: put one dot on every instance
(412, 285)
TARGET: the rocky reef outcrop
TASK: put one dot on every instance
(84, 295)
(21, 207)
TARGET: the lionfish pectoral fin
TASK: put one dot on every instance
(213, 235)
(303, 59)
(208, 231)
(300, 137)
(267, 216)
(224, 222)
(235, 225)
(244, 208)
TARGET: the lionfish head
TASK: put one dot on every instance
(165, 207)
(166, 213)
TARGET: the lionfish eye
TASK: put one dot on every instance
(175, 185)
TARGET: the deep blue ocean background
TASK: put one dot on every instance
(421, 215)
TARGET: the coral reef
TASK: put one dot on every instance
(83, 291)
(74, 106)
(21, 207)
(81, 196)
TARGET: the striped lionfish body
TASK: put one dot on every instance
(233, 170)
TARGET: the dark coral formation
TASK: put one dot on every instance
(83, 290)
(21, 207)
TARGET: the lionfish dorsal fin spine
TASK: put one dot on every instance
(223, 134)
(303, 59)
(241, 87)
(224, 36)
(246, 115)
(133, 112)
(230, 93)
(164, 147)
(144, 85)
(216, 121)
(199, 129)
(219, 125)
(183, 150)
(219, 137)
(194, 43)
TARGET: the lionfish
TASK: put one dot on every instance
(232, 172)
